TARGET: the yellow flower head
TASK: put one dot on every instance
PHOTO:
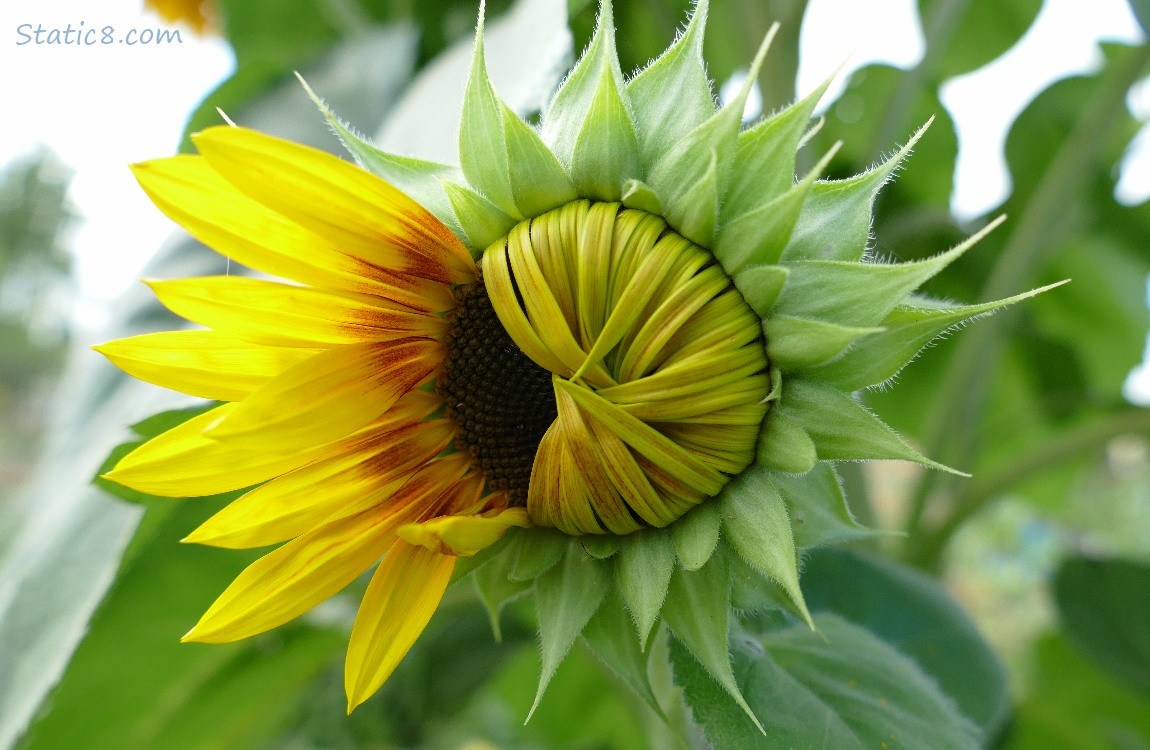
(611, 358)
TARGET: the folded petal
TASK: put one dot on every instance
(329, 396)
(215, 212)
(400, 600)
(351, 207)
(275, 314)
(463, 535)
(202, 363)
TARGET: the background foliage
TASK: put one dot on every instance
(1053, 521)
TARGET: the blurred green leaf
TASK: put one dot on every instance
(1105, 610)
(911, 613)
(132, 683)
(974, 32)
(840, 688)
(1072, 706)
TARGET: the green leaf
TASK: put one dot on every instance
(911, 613)
(756, 525)
(1141, 10)
(642, 574)
(841, 688)
(818, 509)
(1072, 704)
(795, 343)
(785, 446)
(1105, 608)
(132, 683)
(836, 220)
(842, 428)
(697, 612)
(601, 546)
(984, 30)
(908, 329)
(661, 121)
(566, 597)
(696, 534)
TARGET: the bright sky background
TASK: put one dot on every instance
(102, 107)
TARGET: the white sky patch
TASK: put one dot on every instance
(100, 107)
(1062, 42)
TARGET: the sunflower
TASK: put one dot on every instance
(200, 15)
(609, 360)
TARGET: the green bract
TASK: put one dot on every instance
(835, 319)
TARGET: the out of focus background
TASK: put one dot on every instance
(1040, 111)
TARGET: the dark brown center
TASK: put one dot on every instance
(501, 401)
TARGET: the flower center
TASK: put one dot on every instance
(501, 401)
(655, 364)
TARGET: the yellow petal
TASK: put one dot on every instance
(201, 363)
(215, 212)
(399, 602)
(463, 535)
(360, 472)
(287, 582)
(354, 209)
(329, 396)
(182, 462)
(267, 312)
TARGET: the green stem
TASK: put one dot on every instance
(953, 421)
(1065, 447)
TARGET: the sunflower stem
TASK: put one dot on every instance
(953, 421)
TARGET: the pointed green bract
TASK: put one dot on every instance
(759, 236)
(697, 611)
(538, 553)
(843, 429)
(496, 589)
(482, 220)
(601, 546)
(906, 330)
(761, 286)
(482, 147)
(639, 195)
(785, 446)
(794, 343)
(538, 181)
(662, 121)
(566, 597)
(606, 152)
(764, 165)
(696, 535)
(756, 525)
(835, 224)
(643, 572)
(818, 508)
(610, 635)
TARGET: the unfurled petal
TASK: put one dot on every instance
(214, 211)
(352, 208)
(329, 396)
(399, 602)
(202, 363)
(285, 583)
(183, 462)
(359, 473)
(463, 535)
(267, 312)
